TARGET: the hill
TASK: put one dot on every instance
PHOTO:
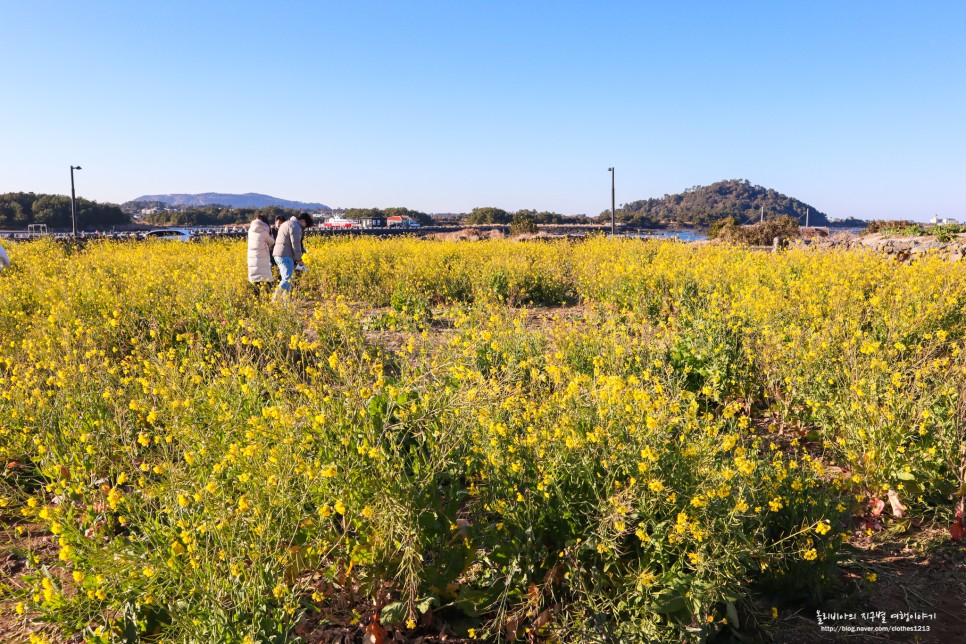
(247, 200)
(702, 205)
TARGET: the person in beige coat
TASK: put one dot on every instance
(260, 245)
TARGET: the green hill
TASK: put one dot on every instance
(703, 205)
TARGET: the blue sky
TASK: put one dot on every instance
(856, 107)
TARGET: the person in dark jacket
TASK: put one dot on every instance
(288, 250)
(279, 220)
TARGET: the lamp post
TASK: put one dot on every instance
(613, 219)
(73, 201)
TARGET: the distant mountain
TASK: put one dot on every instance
(702, 205)
(247, 200)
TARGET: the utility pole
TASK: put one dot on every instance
(613, 210)
(73, 201)
(762, 220)
(806, 217)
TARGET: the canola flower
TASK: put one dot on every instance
(494, 426)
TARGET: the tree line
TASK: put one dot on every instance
(222, 215)
(213, 215)
(21, 209)
(491, 215)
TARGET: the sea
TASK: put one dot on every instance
(681, 235)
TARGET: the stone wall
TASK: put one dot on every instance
(902, 248)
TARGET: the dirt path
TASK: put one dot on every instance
(918, 582)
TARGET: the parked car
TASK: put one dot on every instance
(171, 234)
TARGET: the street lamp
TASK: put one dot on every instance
(73, 200)
(613, 225)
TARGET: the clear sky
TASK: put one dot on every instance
(857, 107)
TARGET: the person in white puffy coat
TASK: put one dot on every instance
(260, 245)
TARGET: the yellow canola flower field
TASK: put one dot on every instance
(566, 438)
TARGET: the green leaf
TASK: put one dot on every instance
(394, 613)
(426, 604)
(732, 615)
(670, 605)
(476, 602)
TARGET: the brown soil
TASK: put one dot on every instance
(14, 548)
(923, 572)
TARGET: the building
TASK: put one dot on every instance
(372, 222)
(404, 221)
